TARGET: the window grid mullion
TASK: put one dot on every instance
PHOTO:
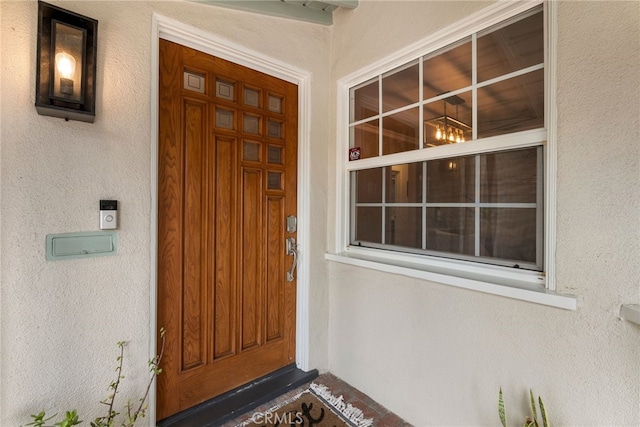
(451, 205)
(423, 210)
(424, 205)
(510, 75)
(420, 108)
(352, 218)
(474, 87)
(540, 208)
(476, 234)
(380, 128)
(382, 206)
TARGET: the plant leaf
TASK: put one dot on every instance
(501, 411)
(534, 411)
(543, 413)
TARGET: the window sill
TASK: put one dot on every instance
(507, 286)
(630, 313)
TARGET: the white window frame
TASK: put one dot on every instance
(533, 286)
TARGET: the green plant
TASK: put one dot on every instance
(529, 422)
(39, 420)
(70, 419)
(132, 413)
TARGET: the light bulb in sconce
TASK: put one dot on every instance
(438, 133)
(451, 137)
(66, 66)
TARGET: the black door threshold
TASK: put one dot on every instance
(236, 402)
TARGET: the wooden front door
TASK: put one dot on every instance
(227, 183)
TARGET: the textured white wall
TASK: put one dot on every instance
(438, 355)
(60, 321)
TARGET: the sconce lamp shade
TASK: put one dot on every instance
(66, 73)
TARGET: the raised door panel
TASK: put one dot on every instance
(223, 240)
(275, 269)
(252, 243)
(193, 286)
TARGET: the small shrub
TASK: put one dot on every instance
(130, 414)
(529, 421)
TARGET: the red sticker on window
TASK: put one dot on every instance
(354, 153)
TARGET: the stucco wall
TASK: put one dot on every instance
(435, 355)
(61, 320)
(438, 355)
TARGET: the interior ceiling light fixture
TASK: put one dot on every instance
(446, 129)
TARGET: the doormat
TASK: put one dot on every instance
(315, 406)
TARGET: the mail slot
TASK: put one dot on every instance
(81, 245)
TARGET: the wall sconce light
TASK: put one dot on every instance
(66, 73)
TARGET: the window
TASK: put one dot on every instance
(453, 147)
(484, 207)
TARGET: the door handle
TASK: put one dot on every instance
(292, 249)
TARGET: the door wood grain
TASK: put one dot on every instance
(227, 181)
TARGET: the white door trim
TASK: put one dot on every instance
(175, 31)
